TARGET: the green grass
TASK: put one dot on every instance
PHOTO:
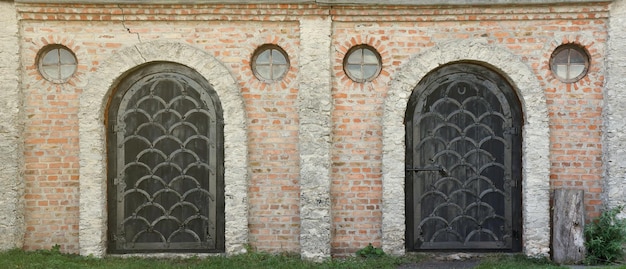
(52, 259)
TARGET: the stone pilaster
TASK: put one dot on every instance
(315, 107)
(11, 159)
(614, 118)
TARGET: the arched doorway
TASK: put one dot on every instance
(463, 162)
(165, 148)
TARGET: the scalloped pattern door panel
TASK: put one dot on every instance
(166, 183)
(463, 161)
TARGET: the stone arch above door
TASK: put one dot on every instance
(93, 102)
(535, 137)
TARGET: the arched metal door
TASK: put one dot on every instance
(463, 176)
(165, 163)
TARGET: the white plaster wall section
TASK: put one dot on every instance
(93, 102)
(314, 108)
(12, 225)
(535, 147)
(614, 111)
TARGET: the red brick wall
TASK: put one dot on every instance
(356, 190)
(51, 154)
(51, 112)
(273, 191)
(530, 32)
(231, 34)
(575, 111)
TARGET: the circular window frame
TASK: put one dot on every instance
(271, 48)
(58, 62)
(568, 48)
(362, 48)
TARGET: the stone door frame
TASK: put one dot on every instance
(535, 137)
(93, 104)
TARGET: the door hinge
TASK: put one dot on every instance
(516, 234)
(513, 130)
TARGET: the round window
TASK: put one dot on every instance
(362, 63)
(270, 63)
(569, 63)
(56, 63)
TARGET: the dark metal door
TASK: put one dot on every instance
(165, 163)
(463, 176)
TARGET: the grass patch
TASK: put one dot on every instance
(52, 259)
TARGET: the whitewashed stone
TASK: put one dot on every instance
(614, 110)
(12, 226)
(314, 108)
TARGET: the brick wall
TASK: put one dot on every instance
(273, 137)
(232, 33)
(574, 109)
(51, 113)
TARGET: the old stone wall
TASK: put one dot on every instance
(614, 115)
(11, 170)
(315, 106)
(314, 162)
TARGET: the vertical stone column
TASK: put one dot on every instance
(11, 180)
(314, 102)
(614, 140)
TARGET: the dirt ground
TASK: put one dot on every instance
(448, 261)
(442, 264)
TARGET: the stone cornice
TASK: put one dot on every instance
(322, 2)
(293, 12)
